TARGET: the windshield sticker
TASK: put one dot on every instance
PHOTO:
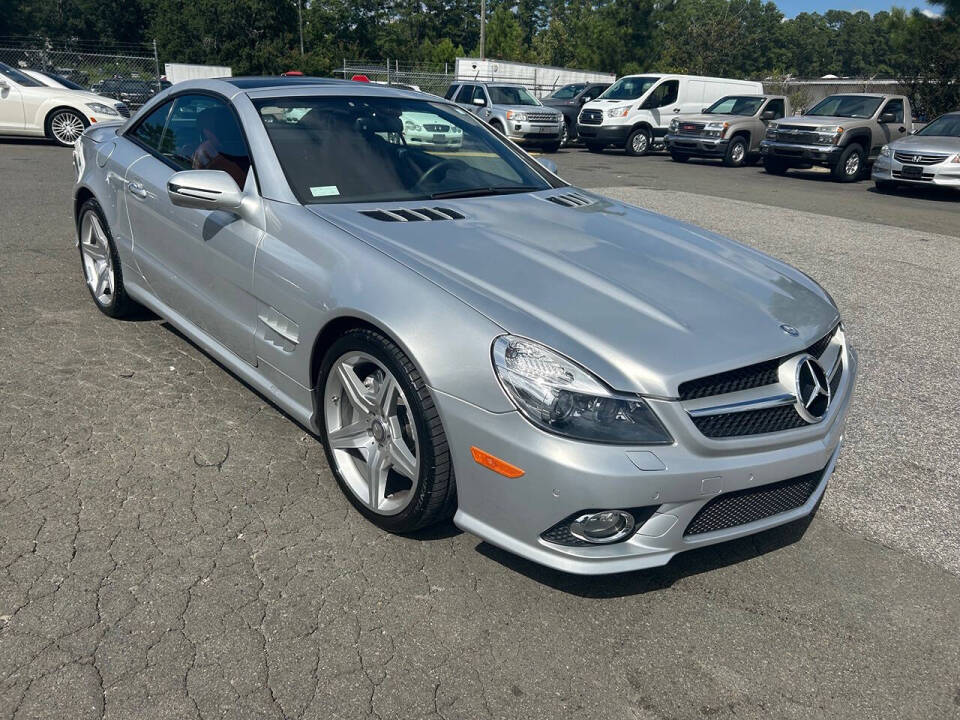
(324, 190)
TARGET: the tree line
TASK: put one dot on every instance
(740, 38)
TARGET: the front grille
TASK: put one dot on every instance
(688, 128)
(757, 503)
(436, 128)
(591, 117)
(542, 117)
(919, 159)
(123, 109)
(926, 177)
(751, 376)
(797, 134)
(750, 422)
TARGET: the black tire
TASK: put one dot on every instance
(119, 305)
(736, 154)
(774, 166)
(639, 143)
(63, 118)
(495, 124)
(679, 157)
(435, 498)
(594, 147)
(551, 148)
(885, 186)
(847, 170)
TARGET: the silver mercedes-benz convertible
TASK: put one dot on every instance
(584, 383)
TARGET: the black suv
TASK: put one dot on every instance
(568, 100)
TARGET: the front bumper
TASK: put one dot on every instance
(699, 146)
(564, 477)
(434, 140)
(606, 134)
(946, 174)
(815, 154)
(526, 133)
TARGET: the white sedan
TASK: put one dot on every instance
(430, 131)
(30, 107)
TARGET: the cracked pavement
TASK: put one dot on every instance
(172, 546)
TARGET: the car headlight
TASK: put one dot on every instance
(771, 133)
(618, 112)
(885, 151)
(559, 396)
(829, 134)
(411, 126)
(101, 109)
(956, 158)
(715, 129)
(516, 115)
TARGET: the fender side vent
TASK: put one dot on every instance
(412, 214)
(570, 200)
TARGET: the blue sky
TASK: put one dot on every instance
(793, 7)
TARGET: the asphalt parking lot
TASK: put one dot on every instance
(172, 546)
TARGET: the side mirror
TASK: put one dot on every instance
(548, 164)
(4, 84)
(479, 102)
(204, 190)
(703, 111)
(585, 99)
(887, 117)
(767, 115)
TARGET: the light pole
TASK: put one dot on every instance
(483, 25)
(300, 22)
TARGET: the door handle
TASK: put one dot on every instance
(676, 109)
(137, 190)
(902, 129)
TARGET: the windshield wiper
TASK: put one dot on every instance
(479, 192)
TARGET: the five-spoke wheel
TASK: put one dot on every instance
(100, 262)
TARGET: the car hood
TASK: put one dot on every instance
(809, 121)
(714, 118)
(643, 301)
(80, 96)
(932, 143)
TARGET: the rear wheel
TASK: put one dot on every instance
(736, 153)
(594, 147)
(65, 126)
(850, 165)
(638, 143)
(774, 166)
(382, 434)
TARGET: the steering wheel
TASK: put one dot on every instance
(433, 170)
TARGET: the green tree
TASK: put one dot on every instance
(504, 39)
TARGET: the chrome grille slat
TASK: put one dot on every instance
(909, 158)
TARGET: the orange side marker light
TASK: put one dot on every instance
(491, 462)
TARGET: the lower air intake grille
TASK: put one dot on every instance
(751, 422)
(747, 506)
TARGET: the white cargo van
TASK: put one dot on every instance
(637, 109)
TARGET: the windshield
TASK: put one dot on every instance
(851, 106)
(943, 126)
(70, 84)
(735, 105)
(629, 88)
(18, 77)
(500, 95)
(569, 92)
(353, 149)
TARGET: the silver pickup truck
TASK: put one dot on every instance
(511, 110)
(731, 129)
(842, 132)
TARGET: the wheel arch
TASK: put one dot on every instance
(641, 124)
(859, 137)
(744, 133)
(82, 194)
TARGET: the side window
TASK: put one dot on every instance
(478, 93)
(207, 136)
(149, 131)
(465, 94)
(665, 94)
(777, 107)
(895, 107)
(451, 91)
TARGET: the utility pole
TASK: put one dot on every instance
(483, 26)
(300, 22)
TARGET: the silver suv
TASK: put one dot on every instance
(511, 110)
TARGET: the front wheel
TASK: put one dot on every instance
(100, 262)
(850, 165)
(65, 126)
(638, 143)
(736, 153)
(382, 434)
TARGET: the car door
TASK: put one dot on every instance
(199, 262)
(11, 106)
(894, 130)
(663, 104)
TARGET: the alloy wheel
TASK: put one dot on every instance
(852, 166)
(97, 259)
(737, 153)
(66, 127)
(371, 432)
(639, 143)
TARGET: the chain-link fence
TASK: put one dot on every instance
(126, 72)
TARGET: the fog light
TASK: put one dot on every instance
(603, 527)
